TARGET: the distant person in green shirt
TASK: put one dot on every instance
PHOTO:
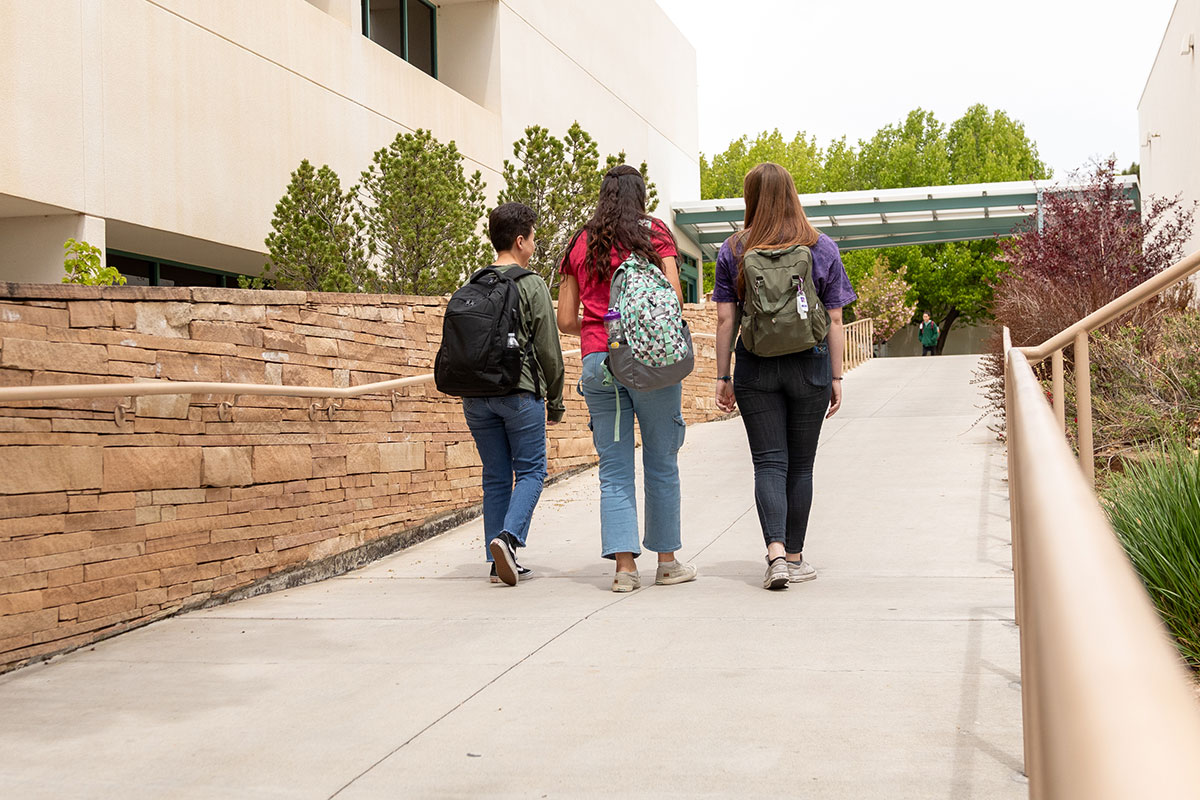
(928, 333)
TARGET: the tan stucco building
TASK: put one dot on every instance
(1169, 114)
(164, 131)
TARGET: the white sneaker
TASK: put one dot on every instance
(800, 571)
(674, 572)
(777, 574)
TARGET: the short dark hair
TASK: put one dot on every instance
(508, 222)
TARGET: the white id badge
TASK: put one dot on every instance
(801, 301)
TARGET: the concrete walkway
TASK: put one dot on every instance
(894, 675)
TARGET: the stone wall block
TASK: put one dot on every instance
(228, 466)
(362, 458)
(163, 406)
(227, 312)
(91, 313)
(169, 320)
(284, 342)
(28, 469)
(401, 456)
(140, 468)
(462, 454)
(188, 366)
(276, 463)
(54, 356)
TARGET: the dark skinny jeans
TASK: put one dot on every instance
(783, 401)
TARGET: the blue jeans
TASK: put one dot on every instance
(660, 418)
(510, 434)
(783, 401)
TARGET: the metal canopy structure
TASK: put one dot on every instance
(891, 217)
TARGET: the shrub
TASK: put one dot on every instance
(1093, 247)
(883, 295)
(1155, 509)
(82, 265)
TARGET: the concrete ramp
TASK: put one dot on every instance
(894, 675)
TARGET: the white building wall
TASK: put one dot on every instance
(1169, 114)
(179, 121)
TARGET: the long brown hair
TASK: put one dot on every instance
(774, 217)
(620, 222)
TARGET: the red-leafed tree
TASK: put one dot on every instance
(1092, 247)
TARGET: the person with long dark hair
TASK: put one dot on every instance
(620, 227)
(786, 395)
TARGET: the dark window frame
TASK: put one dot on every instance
(404, 30)
(229, 280)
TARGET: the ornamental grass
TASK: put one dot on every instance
(1154, 507)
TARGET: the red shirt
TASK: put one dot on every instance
(594, 293)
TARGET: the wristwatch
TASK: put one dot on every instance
(726, 378)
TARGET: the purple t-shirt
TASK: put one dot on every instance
(829, 276)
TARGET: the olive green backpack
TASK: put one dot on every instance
(781, 312)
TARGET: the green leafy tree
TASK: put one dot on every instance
(912, 153)
(315, 243)
(988, 146)
(422, 216)
(723, 176)
(82, 265)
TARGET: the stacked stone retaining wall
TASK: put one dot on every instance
(107, 523)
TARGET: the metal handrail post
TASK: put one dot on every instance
(1057, 389)
(1083, 406)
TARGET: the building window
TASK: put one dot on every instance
(144, 271)
(406, 27)
(689, 278)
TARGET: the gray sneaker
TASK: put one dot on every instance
(800, 571)
(674, 572)
(777, 573)
(626, 582)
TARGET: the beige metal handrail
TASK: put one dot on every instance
(852, 357)
(860, 338)
(1078, 334)
(1106, 705)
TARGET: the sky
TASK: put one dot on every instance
(1071, 70)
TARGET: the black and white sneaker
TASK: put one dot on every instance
(503, 549)
(522, 573)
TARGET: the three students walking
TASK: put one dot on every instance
(780, 288)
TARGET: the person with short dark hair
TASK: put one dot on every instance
(510, 431)
(928, 333)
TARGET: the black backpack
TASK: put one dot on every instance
(481, 354)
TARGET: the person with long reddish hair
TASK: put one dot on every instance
(784, 398)
(620, 227)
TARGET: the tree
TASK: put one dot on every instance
(81, 263)
(315, 243)
(651, 189)
(422, 215)
(724, 175)
(986, 147)
(1092, 247)
(953, 281)
(913, 153)
(883, 295)
(560, 180)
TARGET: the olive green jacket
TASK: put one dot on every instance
(538, 324)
